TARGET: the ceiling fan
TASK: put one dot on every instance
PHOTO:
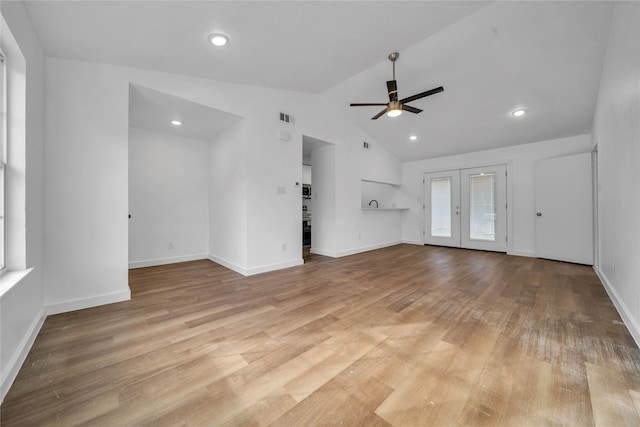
(394, 107)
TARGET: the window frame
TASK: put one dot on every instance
(3, 163)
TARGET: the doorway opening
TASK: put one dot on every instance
(318, 182)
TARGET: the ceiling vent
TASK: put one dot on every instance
(286, 118)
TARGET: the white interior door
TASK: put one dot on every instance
(442, 208)
(467, 208)
(484, 208)
(564, 209)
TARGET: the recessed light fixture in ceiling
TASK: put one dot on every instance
(413, 137)
(518, 113)
(176, 122)
(218, 39)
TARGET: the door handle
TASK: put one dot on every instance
(538, 213)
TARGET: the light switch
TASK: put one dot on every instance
(282, 189)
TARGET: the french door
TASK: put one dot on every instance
(467, 208)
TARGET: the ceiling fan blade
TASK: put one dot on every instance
(377, 116)
(423, 94)
(411, 109)
(392, 88)
(366, 105)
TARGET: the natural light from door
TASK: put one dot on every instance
(441, 207)
(483, 207)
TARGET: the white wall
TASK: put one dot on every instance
(22, 307)
(87, 140)
(168, 198)
(380, 165)
(228, 198)
(520, 160)
(617, 135)
(86, 186)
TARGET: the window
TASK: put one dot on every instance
(13, 84)
(3, 166)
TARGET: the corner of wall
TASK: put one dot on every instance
(10, 373)
(82, 303)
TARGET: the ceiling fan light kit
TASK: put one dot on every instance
(395, 107)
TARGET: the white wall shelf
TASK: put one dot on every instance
(384, 209)
(394, 184)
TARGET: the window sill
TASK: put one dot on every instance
(11, 278)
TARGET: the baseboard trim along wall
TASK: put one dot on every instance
(79, 304)
(228, 264)
(273, 267)
(522, 253)
(628, 319)
(413, 242)
(14, 365)
(513, 252)
(254, 270)
(354, 251)
(163, 261)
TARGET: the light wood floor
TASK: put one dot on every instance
(402, 336)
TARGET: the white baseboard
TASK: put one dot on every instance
(79, 304)
(529, 254)
(163, 261)
(413, 242)
(228, 264)
(627, 317)
(354, 251)
(254, 270)
(273, 267)
(14, 365)
(322, 252)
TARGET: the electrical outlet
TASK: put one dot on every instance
(170, 245)
(284, 247)
(359, 236)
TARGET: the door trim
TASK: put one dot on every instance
(509, 182)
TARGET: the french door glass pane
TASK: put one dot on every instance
(441, 207)
(483, 207)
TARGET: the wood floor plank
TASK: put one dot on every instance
(402, 336)
(612, 403)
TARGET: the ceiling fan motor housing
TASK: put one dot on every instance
(394, 105)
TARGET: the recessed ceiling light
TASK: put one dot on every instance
(218, 39)
(413, 137)
(518, 113)
(176, 122)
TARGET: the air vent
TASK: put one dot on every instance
(286, 118)
(365, 145)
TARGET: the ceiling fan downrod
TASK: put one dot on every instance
(392, 57)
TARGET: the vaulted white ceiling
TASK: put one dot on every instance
(491, 58)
